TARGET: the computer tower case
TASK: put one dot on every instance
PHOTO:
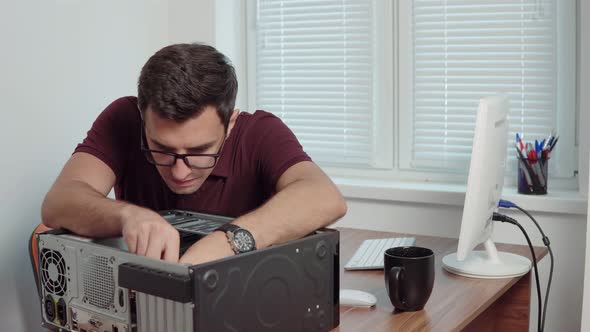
(90, 285)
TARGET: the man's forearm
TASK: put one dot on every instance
(294, 212)
(79, 208)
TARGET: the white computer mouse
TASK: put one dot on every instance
(357, 298)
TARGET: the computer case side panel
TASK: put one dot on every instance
(287, 287)
(335, 242)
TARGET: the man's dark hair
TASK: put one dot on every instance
(180, 80)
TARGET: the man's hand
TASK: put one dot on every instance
(211, 247)
(148, 234)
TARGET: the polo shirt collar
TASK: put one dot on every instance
(223, 167)
(224, 163)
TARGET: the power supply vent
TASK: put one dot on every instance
(98, 281)
(53, 272)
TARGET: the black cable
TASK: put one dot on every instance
(548, 245)
(504, 218)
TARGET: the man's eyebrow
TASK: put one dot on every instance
(160, 145)
(195, 149)
(201, 148)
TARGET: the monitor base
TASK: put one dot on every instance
(477, 264)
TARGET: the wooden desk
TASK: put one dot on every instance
(457, 303)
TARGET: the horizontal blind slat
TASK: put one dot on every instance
(314, 69)
(466, 50)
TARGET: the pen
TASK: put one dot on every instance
(553, 144)
(549, 138)
(527, 169)
(537, 167)
(519, 142)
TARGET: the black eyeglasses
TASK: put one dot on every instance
(191, 160)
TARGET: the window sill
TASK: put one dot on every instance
(556, 201)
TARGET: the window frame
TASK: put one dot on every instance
(383, 136)
(565, 99)
(392, 129)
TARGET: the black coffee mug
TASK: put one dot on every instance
(409, 276)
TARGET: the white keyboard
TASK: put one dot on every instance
(369, 256)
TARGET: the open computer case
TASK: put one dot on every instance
(90, 285)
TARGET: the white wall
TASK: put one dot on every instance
(586, 299)
(61, 63)
(191, 21)
(584, 85)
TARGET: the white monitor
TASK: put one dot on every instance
(484, 188)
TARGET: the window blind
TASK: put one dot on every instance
(465, 50)
(314, 70)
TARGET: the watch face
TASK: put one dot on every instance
(243, 240)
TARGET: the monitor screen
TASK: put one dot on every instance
(484, 190)
(486, 173)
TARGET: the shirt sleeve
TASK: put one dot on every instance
(109, 138)
(275, 148)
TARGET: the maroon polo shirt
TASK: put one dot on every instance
(259, 149)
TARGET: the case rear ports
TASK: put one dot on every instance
(62, 316)
(49, 307)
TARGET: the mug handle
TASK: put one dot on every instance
(394, 274)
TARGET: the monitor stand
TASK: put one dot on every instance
(488, 264)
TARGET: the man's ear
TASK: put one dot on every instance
(232, 120)
(234, 115)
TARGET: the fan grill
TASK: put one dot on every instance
(53, 272)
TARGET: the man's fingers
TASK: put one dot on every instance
(171, 250)
(153, 238)
(142, 243)
(131, 240)
(155, 246)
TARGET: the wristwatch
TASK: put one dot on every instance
(240, 240)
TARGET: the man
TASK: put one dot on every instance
(181, 145)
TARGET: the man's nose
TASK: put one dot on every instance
(180, 170)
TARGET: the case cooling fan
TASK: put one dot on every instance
(53, 272)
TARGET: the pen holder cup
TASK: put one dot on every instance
(532, 176)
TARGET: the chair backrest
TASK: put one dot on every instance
(34, 252)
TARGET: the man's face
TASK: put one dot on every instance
(202, 134)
